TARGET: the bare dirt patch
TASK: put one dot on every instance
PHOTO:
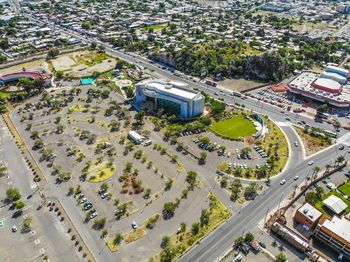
(239, 84)
(36, 65)
(83, 63)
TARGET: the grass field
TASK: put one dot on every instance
(235, 127)
(154, 27)
(346, 188)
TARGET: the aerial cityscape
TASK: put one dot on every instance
(188, 130)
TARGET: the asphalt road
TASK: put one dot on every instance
(221, 240)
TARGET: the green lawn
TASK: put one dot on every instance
(235, 127)
(345, 188)
(4, 95)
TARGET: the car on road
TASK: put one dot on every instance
(288, 119)
(310, 163)
(296, 143)
(14, 228)
(134, 225)
(283, 182)
(296, 177)
(341, 147)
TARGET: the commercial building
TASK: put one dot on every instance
(307, 216)
(335, 233)
(332, 86)
(30, 75)
(174, 97)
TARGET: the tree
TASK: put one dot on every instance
(13, 194)
(129, 91)
(27, 222)
(53, 52)
(224, 182)
(204, 219)
(169, 210)
(139, 117)
(195, 228)
(249, 237)
(165, 242)
(3, 170)
(250, 191)
(167, 254)
(100, 223)
(104, 187)
(280, 257)
(118, 239)
(319, 192)
(191, 178)
(202, 157)
(93, 45)
(322, 108)
(20, 205)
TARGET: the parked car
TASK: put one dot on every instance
(14, 228)
(104, 195)
(262, 244)
(134, 225)
(93, 215)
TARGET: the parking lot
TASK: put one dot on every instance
(220, 150)
(80, 140)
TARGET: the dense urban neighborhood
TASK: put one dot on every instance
(184, 130)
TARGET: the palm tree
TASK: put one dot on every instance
(328, 166)
(315, 170)
(319, 191)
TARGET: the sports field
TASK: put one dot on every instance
(235, 127)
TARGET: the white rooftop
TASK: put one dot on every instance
(310, 212)
(335, 204)
(339, 226)
(328, 83)
(171, 87)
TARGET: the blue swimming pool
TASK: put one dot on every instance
(87, 81)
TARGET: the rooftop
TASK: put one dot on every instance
(171, 87)
(309, 211)
(328, 83)
(335, 204)
(339, 226)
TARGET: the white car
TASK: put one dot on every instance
(14, 229)
(296, 143)
(296, 177)
(283, 182)
(310, 163)
(134, 225)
